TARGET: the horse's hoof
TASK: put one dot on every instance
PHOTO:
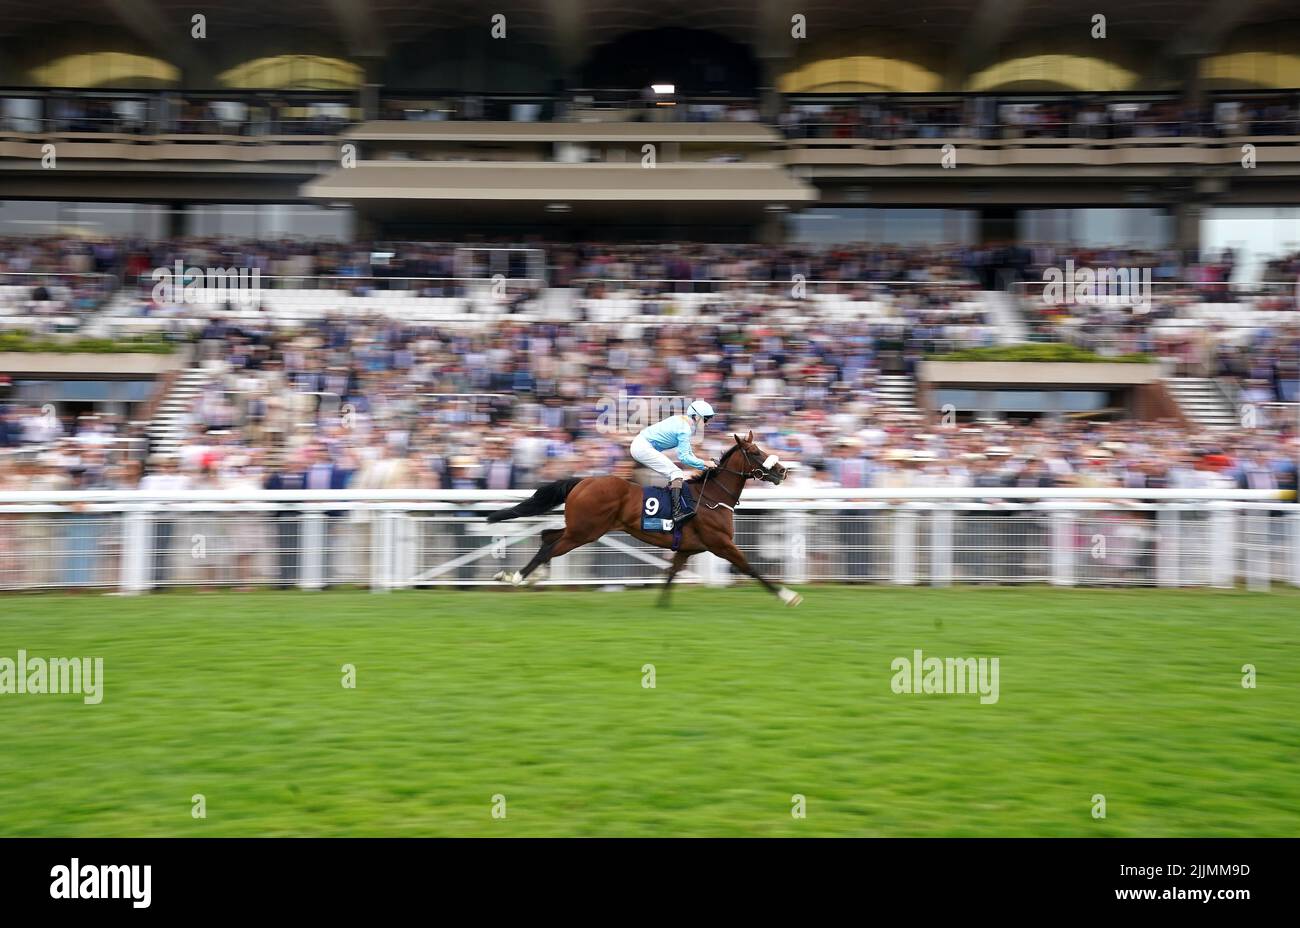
(512, 577)
(789, 597)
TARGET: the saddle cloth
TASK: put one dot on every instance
(657, 508)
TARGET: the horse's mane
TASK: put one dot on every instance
(699, 478)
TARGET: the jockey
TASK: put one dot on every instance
(673, 432)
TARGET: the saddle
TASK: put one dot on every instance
(657, 510)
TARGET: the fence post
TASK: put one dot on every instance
(904, 546)
(1259, 554)
(1223, 547)
(941, 520)
(312, 550)
(405, 550)
(137, 552)
(796, 547)
(1294, 520)
(392, 549)
(381, 546)
(1062, 547)
(1168, 545)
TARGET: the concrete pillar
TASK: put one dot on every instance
(771, 228)
(1187, 226)
(1193, 88)
(997, 224)
(176, 216)
(372, 83)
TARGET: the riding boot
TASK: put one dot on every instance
(680, 513)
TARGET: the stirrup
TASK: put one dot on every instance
(680, 512)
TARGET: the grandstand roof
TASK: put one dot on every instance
(572, 27)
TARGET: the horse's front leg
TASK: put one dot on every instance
(679, 561)
(727, 549)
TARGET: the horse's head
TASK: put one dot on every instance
(759, 465)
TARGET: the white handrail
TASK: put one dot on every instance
(881, 494)
(148, 542)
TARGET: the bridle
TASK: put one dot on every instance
(753, 472)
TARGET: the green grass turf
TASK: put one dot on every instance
(537, 695)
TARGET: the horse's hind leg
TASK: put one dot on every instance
(553, 549)
(733, 554)
(549, 550)
(578, 530)
(549, 538)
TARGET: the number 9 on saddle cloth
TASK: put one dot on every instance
(657, 508)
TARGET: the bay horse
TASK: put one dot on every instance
(596, 506)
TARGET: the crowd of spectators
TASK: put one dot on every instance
(985, 116)
(1254, 342)
(1072, 117)
(61, 254)
(53, 279)
(171, 113)
(388, 403)
(376, 404)
(645, 107)
(564, 264)
(931, 288)
(255, 114)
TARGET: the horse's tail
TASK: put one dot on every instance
(544, 500)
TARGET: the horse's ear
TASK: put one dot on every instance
(735, 436)
(750, 438)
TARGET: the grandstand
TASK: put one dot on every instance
(841, 234)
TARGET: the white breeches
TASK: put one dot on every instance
(657, 461)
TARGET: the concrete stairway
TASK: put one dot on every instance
(898, 391)
(167, 427)
(1202, 402)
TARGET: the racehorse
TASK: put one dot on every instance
(596, 506)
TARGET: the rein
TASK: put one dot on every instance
(752, 474)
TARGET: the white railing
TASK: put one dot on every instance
(60, 310)
(131, 542)
(1168, 317)
(291, 302)
(477, 301)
